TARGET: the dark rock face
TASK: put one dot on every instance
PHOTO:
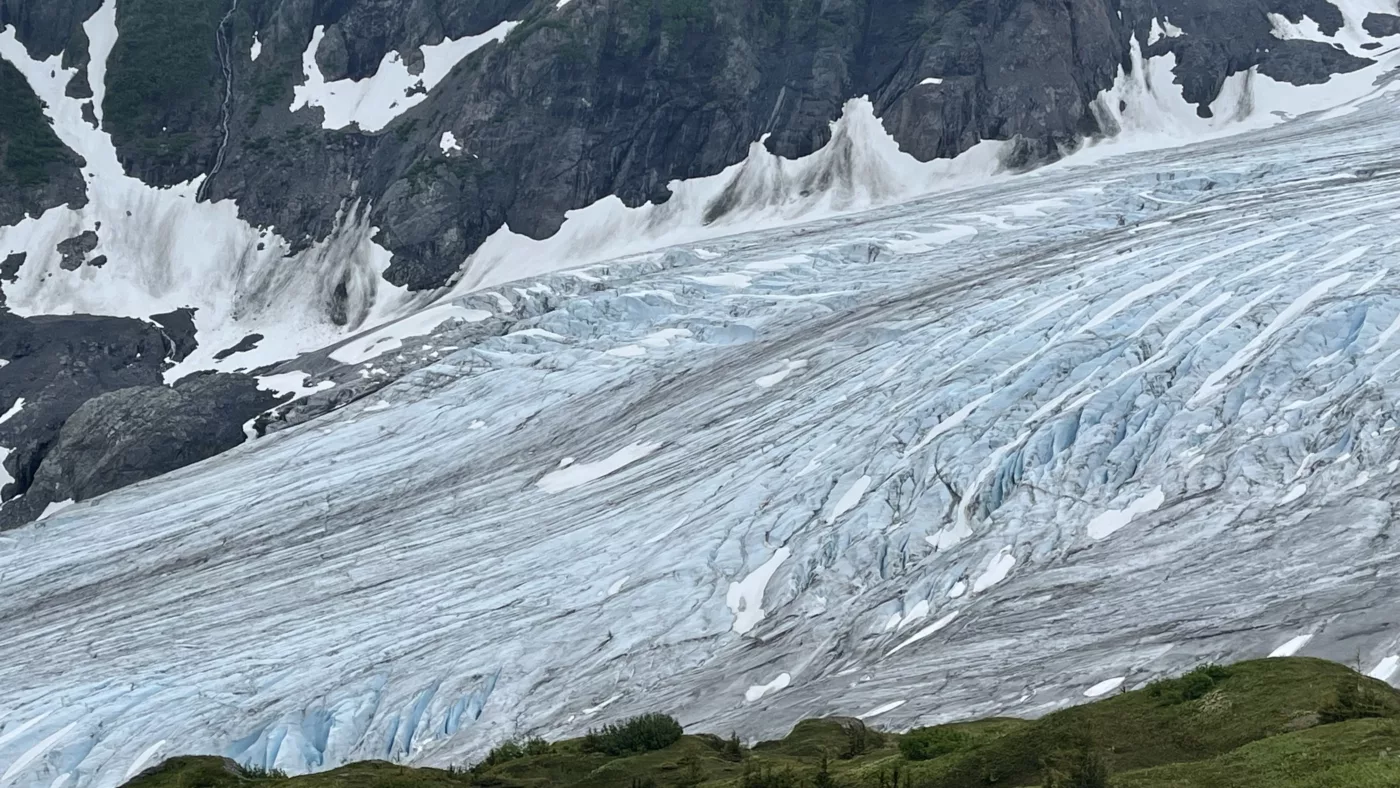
(57, 364)
(622, 96)
(37, 171)
(74, 251)
(1382, 25)
(132, 434)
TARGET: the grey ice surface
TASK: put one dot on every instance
(994, 448)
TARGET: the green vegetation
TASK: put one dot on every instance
(1277, 723)
(163, 78)
(639, 734)
(27, 141)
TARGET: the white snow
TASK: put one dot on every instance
(959, 588)
(13, 411)
(757, 691)
(1291, 647)
(294, 382)
(1105, 524)
(1385, 668)
(996, 571)
(144, 759)
(55, 508)
(849, 499)
(931, 81)
(617, 585)
(1215, 382)
(583, 472)
(772, 379)
(917, 612)
(448, 143)
(745, 597)
(168, 251)
(1104, 687)
(627, 351)
(391, 336)
(256, 49)
(664, 337)
(926, 631)
(38, 750)
(374, 102)
(883, 708)
(724, 280)
(1294, 493)
(1162, 28)
(771, 192)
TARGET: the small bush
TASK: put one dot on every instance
(925, 744)
(733, 750)
(259, 773)
(823, 778)
(639, 734)
(537, 746)
(1082, 769)
(1357, 699)
(1192, 686)
(859, 739)
(769, 778)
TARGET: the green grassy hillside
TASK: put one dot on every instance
(1277, 723)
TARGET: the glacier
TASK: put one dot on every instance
(985, 452)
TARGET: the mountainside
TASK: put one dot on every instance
(985, 452)
(245, 182)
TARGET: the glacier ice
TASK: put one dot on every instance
(902, 525)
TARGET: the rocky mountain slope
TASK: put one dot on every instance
(990, 451)
(227, 187)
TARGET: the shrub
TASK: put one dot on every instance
(1357, 699)
(768, 778)
(733, 750)
(859, 739)
(823, 778)
(259, 773)
(1082, 769)
(1192, 686)
(925, 744)
(639, 734)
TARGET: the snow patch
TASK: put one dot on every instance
(757, 691)
(1105, 524)
(582, 473)
(996, 571)
(926, 631)
(374, 102)
(773, 379)
(55, 508)
(1291, 647)
(883, 708)
(1104, 687)
(13, 411)
(849, 499)
(391, 336)
(745, 597)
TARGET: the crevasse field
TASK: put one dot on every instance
(992, 451)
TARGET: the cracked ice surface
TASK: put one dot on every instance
(980, 383)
